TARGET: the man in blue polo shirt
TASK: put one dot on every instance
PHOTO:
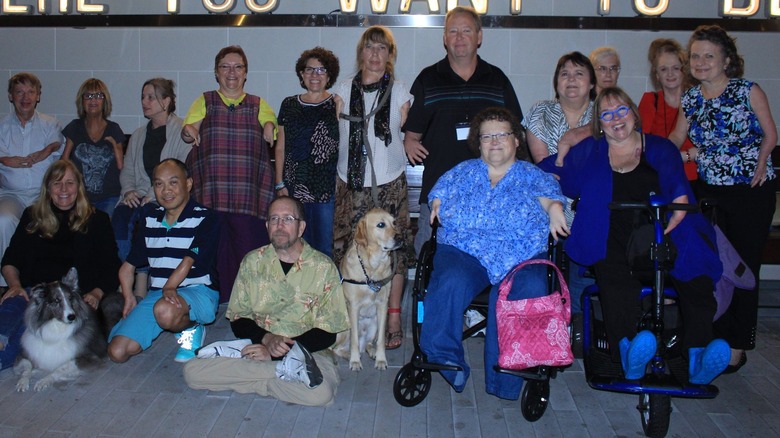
(177, 242)
(447, 95)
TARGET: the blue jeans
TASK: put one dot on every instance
(319, 226)
(457, 278)
(124, 221)
(11, 329)
(107, 205)
(577, 284)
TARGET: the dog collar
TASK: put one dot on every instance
(375, 286)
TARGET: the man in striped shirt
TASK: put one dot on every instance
(177, 242)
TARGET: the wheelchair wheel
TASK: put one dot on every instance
(534, 399)
(411, 385)
(655, 410)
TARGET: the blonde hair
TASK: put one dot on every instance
(380, 35)
(43, 220)
(93, 85)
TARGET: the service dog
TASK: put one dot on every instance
(367, 271)
(62, 337)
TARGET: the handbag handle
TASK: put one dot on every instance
(506, 284)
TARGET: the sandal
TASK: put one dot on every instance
(394, 340)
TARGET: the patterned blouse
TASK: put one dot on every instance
(727, 133)
(548, 123)
(501, 226)
(311, 150)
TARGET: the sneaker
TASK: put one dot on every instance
(635, 354)
(223, 349)
(705, 364)
(190, 341)
(298, 365)
(472, 318)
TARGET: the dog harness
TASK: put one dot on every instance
(374, 285)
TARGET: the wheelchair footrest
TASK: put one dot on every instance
(535, 373)
(435, 366)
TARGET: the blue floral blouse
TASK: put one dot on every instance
(500, 226)
(727, 133)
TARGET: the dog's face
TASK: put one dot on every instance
(377, 228)
(58, 300)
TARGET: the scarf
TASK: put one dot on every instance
(358, 125)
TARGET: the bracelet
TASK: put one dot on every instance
(279, 186)
(687, 157)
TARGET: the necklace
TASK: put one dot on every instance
(626, 162)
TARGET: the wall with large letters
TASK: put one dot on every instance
(124, 57)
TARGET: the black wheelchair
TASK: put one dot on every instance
(669, 371)
(413, 381)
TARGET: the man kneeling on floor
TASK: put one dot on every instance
(285, 305)
(176, 240)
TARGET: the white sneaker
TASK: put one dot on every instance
(298, 365)
(223, 349)
(472, 318)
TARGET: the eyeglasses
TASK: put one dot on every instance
(227, 67)
(612, 69)
(91, 96)
(284, 220)
(618, 112)
(499, 136)
(315, 70)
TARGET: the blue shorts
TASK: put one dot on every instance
(141, 326)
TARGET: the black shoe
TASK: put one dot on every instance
(576, 335)
(731, 369)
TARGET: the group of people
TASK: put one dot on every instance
(200, 216)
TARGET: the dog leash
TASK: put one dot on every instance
(375, 286)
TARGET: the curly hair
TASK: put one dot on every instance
(379, 35)
(93, 85)
(325, 57)
(581, 60)
(617, 94)
(659, 47)
(497, 114)
(43, 220)
(715, 34)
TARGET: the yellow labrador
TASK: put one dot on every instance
(367, 270)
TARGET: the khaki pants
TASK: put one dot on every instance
(249, 376)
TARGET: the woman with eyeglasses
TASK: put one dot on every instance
(495, 211)
(620, 164)
(729, 121)
(307, 145)
(372, 161)
(231, 132)
(606, 62)
(658, 109)
(95, 145)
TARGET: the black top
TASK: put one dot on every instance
(153, 146)
(93, 254)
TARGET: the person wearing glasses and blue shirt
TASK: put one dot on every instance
(620, 164)
(495, 211)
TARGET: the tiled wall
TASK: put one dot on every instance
(126, 57)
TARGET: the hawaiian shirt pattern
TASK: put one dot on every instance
(727, 133)
(308, 296)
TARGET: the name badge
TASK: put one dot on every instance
(462, 131)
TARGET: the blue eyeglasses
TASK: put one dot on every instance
(618, 112)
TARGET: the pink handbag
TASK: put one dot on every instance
(533, 331)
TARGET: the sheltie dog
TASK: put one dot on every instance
(62, 335)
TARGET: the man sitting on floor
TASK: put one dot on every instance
(286, 302)
(177, 242)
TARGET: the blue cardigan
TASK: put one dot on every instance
(587, 175)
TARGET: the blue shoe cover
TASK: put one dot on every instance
(705, 364)
(637, 354)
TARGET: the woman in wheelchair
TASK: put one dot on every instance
(495, 212)
(619, 164)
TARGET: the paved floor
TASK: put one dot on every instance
(146, 397)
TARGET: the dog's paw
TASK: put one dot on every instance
(355, 365)
(380, 364)
(23, 385)
(42, 384)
